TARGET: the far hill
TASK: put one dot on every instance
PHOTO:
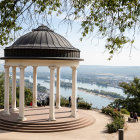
(119, 70)
(131, 71)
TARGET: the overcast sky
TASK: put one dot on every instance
(93, 50)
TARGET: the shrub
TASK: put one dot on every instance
(124, 111)
(118, 119)
(112, 112)
(112, 127)
(64, 102)
(84, 105)
(28, 96)
(115, 125)
(81, 104)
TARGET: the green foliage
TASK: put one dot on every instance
(112, 112)
(132, 88)
(28, 96)
(112, 127)
(2, 91)
(115, 125)
(64, 102)
(118, 119)
(81, 103)
(124, 111)
(117, 103)
(108, 18)
(28, 93)
(84, 105)
(132, 102)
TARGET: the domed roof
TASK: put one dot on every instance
(42, 43)
(42, 37)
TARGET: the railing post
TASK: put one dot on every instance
(120, 134)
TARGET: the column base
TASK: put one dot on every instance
(14, 109)
(22, 118)
(74, 115)
(50, 119)
(6, 113)
(58, 107)
(34, 106)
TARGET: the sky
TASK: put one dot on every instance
(92, 49)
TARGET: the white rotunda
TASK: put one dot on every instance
(41, 47)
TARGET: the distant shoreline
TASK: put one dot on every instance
(108, 97)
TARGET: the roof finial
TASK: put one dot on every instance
(42, 28)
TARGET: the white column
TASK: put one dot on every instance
(74, 91)
(52, 82)
(58, 89)
(14, 88)
(21, 95)
(6, 94)
(34, 102)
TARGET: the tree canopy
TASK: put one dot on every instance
(109, 19)
(132, 90)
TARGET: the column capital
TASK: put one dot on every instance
(13, 66)
(52, 67)
(22, 67)
(58, 67)
(34, 66)
(74, 67)
(6, 66)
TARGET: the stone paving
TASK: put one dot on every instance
(41, 114)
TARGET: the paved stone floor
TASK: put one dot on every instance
(41, 114)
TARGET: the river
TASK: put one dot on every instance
(96, 101)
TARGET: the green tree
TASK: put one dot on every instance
(28, 93)
(28, 96)
(132, 89)
(132, 102)
(109, 19)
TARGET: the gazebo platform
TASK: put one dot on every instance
(38, 120)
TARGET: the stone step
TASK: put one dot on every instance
(49, 127)
(58, 129)
(41, 127)
(45, 123)
(80, 121)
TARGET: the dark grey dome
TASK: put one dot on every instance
(42, 37)
(42, 43)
